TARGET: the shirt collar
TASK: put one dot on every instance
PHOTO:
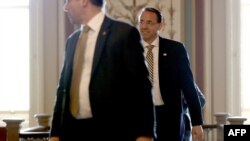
(155, 42)
(96, 22)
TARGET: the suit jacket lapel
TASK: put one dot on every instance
(102, 36)
(163, 56)
(162, 50)
(72, 48)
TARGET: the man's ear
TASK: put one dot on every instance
(161, 25)
(85, 2)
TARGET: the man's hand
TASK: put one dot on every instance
(54, 139)
(144, 138)
(197, 133)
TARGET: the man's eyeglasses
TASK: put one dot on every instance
(148, 23)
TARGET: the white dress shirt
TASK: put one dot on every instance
(84, 102)
(157, 99)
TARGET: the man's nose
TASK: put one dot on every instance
(143, 25)
(65, 7)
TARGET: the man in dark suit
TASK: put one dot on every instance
(114, 99)
(172, 77)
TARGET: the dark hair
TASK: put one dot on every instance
(97, 2)
(153, 10)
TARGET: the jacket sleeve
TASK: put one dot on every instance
(188, 86)
(201, 96)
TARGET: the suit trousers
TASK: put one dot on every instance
(93, 129)
(165, 129)
(79, 130)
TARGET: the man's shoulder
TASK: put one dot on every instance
(173, 45)
(170, 41)
(76, 33)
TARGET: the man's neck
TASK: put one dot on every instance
(90, 13)
(151, 40)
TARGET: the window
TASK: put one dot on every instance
(14, 56)
(245, 57)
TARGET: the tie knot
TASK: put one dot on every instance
(150, 47)
(86, 28)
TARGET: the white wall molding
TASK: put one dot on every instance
(36, 59)
(232, 35)
(47, 49)
(222, 79)
(208, 115)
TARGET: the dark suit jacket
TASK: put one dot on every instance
(175, 77)
(119, 90)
